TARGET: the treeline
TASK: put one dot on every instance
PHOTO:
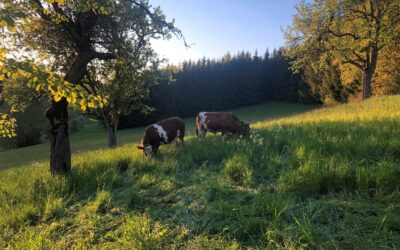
(206, 84)
(217, 84)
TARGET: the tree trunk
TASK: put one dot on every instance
(57, 114)
(112, 130)
(60, 151)
(112, 137)
(369, 72)
(367, 79)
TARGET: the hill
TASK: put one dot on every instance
(323, 179)
(93, 137)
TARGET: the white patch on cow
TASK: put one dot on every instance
(178, 133)
(161, 132)
(203, 117)
(148, 150)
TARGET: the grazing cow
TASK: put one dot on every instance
(163, 132)
(224, 122)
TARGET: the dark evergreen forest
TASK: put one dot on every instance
(217, 84)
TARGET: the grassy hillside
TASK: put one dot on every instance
(93, 137)
(323, 179)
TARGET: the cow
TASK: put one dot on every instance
(224, 122)
(163, 132)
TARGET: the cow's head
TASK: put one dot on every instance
(245, 128)
(148, 150)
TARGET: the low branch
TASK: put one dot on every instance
(355, 37)
(353, 62)
(103, 56)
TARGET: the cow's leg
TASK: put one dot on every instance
(178, 141)
(203, 133)
(225, 135)
(179, 137)
(155, 149)
(181, 140)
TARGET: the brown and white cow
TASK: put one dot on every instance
(163, 132)
(224, 122)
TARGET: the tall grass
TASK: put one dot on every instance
(326, 179)
(94, 137)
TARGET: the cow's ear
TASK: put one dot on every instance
(140, 147)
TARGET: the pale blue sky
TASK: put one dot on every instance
(215, 27)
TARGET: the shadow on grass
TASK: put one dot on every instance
(325, 184)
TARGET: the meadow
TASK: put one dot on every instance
(323, 179)
(94, 137)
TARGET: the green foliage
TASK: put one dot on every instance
(323, 179)
(327, 85)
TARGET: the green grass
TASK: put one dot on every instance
(325, 179)
(94, 137)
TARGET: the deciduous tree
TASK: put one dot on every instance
(353, 32)
(68, 35)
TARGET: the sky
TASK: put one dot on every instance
(215, 27)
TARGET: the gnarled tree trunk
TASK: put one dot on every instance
(57, 114)
(60, 151)
(369, 71)
(367, 89)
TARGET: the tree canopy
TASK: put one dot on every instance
(343, 32)
(48, 46)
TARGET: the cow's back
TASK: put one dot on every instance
(174, 127)
(164, 131)
(218, 122)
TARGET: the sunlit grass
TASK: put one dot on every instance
(94, 137)
(326, 179)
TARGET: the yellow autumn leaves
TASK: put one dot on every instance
(102, 7)
(7, 126)
(60, 2)
(43, 81)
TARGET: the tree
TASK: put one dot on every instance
(127, 85)
(387, 80)
(71, 35)
(326, 85)
(353, 32)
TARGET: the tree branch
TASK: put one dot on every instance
(157, 19)
(103, 56)
(353, 62)
(355, 37)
